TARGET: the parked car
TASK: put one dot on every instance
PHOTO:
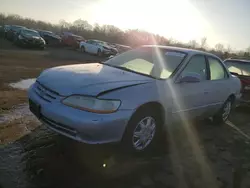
(122, 48)
(241, 69)
(29, 38)
(132, 96)
(3, 30)
(12, 31)
(2, 33)
(50, 37)
(72, 40)
(97, 47)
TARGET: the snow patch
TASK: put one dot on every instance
(23, 84)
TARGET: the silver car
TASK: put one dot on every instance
(133, 96)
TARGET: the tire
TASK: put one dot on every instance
(82, 49)
(99, 53)
(223, 114)
(135, 141)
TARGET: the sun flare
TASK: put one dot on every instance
(177, 19)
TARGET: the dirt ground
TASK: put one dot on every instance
(193, 155)
(17, 64)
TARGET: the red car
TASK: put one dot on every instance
(241, 69)
(72, 40)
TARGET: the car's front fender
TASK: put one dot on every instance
(137, 95)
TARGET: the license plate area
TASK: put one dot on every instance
(35, 108)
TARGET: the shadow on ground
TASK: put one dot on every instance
(44, 159)
(205, 156)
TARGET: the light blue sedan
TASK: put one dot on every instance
(130, 97)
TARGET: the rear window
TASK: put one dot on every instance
(239, 67)
(17, 28)
(30, 32)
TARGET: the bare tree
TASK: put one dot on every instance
(248, 50)
(229, 49)
(64, 24)
(203, 42)
(82, 25)
(219, 47)
(193, 43)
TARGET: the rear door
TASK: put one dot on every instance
(219, 86)
(88, 45)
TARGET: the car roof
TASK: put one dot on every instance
(17, 26)
(184, 50)
(30, 30)
(44, 31)
(98, 40)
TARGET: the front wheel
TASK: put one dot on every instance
(224, 112)
(142, 131)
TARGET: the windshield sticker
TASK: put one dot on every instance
(175, 54)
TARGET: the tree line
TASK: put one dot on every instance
(112, 34)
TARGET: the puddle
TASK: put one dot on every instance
(17, 113)
(23, 84)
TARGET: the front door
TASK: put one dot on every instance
(190, 100)
(219, 84)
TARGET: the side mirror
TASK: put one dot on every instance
(190, 78)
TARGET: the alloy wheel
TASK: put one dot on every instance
(226, 110)
(144, 133)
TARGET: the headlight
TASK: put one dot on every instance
(20, 37)
(92, 104)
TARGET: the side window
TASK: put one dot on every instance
(217, 71)
(197, 64)
(89, 41)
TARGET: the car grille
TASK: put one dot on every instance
(58, 126)
(45, 93)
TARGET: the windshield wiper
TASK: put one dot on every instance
(129, 70)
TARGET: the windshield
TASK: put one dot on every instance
(30, 33)
(154, 62)
(78, 38)
(101, 42)
(239, 67)
(47, 33)
(16, 28)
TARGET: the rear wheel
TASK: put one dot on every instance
(224, 112)
(99, 53)
(82, 49)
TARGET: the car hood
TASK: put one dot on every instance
(89, 79)
(32, 37)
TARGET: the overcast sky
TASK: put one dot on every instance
(221, 21)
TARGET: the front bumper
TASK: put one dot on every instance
(109, 52)
(80, 125)
(33, 43)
